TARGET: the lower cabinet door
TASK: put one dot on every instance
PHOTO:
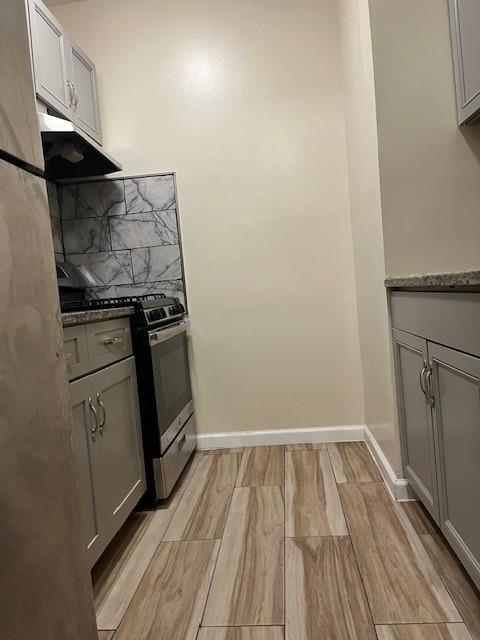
(416, 424)
(123, 469)
(88, 468)
(457, 416)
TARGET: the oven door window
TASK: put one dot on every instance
(172, 379)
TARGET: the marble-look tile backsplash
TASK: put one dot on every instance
(126, 232)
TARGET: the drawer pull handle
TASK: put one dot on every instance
(112, 341)
(181, 442)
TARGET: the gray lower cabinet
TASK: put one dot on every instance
(456, 412)
(108, 451)
(418, 442)
(88, 468)
(437, 370)
(123, 471)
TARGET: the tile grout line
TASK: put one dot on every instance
(219, 548)
(240, 466)
(353, 549)
(153, 554)
(454, 600)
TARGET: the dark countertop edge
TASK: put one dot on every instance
(73, 318)
(465, 280)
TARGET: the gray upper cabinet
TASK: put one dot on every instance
(84, 87)
(465, 28)
(65, 77)
(50, 58)
(418, 446)
(19, 132)
(457, 417)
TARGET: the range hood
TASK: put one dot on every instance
(70, 153)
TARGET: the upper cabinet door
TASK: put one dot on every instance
(457, 415)
(85, 102)
(465, 27)
(418, 446)
(19, 132)
(50, 59)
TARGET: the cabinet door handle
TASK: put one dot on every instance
(75, 92)
(181, 442)
(71, 102)
(431, 397)
(422, 378)
(104, 413)
(93, 428)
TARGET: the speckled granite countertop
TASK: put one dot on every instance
(94, 315)
(454, 279)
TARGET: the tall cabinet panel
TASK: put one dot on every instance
(19, 132)
(411, 359)
(457, 415)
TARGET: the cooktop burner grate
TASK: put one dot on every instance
(109, 303)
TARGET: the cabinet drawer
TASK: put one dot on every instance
(447, 318)
(76, 351)
(108, 341)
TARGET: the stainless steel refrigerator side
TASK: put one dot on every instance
(45, 587)
(19, 131)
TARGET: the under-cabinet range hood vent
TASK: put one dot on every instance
(69, 153)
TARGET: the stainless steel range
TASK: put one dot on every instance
(168, 420)
(160, 334)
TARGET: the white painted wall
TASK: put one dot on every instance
(244, 101)
(429, 168)
(366, 215)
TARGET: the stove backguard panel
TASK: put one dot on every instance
(126, 231)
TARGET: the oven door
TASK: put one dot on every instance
(171, 376)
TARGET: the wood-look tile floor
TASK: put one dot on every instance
(283, 543)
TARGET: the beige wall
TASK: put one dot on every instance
(429, 169)
(243, 100)
(366, 215)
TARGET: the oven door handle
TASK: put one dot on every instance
(161, 335)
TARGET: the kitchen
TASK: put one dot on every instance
(300, 181)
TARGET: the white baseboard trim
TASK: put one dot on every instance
(398, 487)
(347, 433)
